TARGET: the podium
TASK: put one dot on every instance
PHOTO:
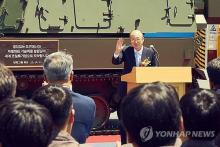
(175, 76)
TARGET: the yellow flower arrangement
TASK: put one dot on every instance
(145, 62)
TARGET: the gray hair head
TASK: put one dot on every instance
(58, 66)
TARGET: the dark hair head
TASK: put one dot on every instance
(57, 99)
(8, 83)
(201, 112)
(213, 70)
(24, 123)
(153, 106)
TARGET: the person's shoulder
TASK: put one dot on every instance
(82, 96)
(148, 48)
(127, 48)
(63, 139)
(85, 98)
(79, 95)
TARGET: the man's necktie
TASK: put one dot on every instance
(138, 59)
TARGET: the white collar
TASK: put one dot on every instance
(68, 86)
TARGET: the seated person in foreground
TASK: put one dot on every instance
(147, 111)
(24, 123)
(213, 70)
(201, 117)
(58, 100)
(8, 83)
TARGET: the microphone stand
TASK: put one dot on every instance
(156, 53)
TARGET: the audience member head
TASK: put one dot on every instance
(58, 101)
(137, 39)
(24, 123)
(58, 67)
(8, 83)
(201, 112)
(213, 70)
(150, 108)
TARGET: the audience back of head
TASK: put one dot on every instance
(201, 112)
(8, 83)
(58, 66)
(24, 123)
(151, 107)
(213, 70)
(57, 99)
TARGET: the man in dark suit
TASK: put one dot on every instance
(58, 69)
(135, 54)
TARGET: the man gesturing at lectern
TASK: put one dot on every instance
(135, 54)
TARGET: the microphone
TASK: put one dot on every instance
(156, 53)
(153, 48)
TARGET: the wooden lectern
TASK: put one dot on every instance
(176, 76)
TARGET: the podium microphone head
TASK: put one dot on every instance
(153, 48)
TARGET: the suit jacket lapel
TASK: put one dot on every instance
(144, 52)
(133, 61)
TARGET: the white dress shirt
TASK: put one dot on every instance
(137, 55)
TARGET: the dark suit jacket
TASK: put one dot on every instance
(127, 56)
(85, 109)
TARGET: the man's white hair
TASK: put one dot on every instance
(58, 66)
